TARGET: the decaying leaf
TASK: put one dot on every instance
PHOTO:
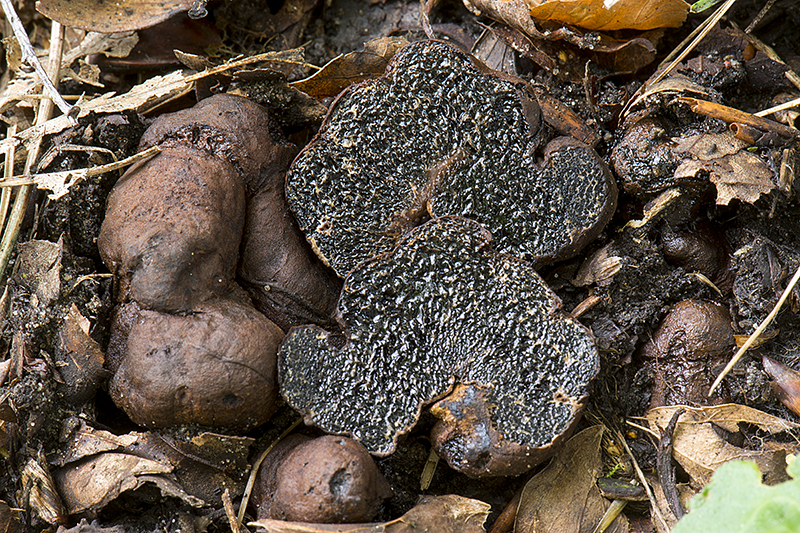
(564, 498)
(736, 173)
(39, 269)
(700, 450)
(90, 484)
(605, 15)
(39, 491)
(79, 358)
(109, 17)
(440, 514)
(566, 50)
(351, 68)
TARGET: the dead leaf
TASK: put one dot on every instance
(87, 441)
(599, 268)
(700, 450)
(564, 498)
(39, 269)
(735, 172)
(354, 67)
(439, 514)
(90, 484)
(79, 359)
(110, 17)
(609, 15)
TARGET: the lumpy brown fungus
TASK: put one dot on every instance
(443, 307)
(214, 367)
(325, 480)
(187, 346)
(441, 134)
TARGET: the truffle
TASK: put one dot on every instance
(441, 134)
(325, 480)
(443, 307)
(174, 223)
(695, 338)
(214, 367)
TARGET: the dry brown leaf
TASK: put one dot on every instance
(90, 484)
(699, 449)
(609, 15)
(440, 514)
(39, 269)
(110, 17)
(79, 358)
(354, 67)
(141, 98)
(736, 173)
(564, 498)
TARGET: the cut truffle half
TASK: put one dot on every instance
(443, 307)
(441, 134)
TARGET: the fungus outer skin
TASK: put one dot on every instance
(437, 133)
(443, 307)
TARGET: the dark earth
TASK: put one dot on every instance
(746, 250)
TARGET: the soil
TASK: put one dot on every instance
(763, 237)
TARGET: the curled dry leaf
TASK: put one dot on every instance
(92, 483)
(700, 450)
(605, 15)
(737, 176)
(345, 70)
(110, 17)
(442, 514)
(564, 497)
(547, 48)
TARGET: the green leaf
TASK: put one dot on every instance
(702, 5)
(736, 501)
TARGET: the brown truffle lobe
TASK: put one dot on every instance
(442, 308)
(172, 230)
(326, 480)
(694, 338)
(287, 282)
(441, 133)
(214, 367)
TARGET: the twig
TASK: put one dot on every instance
(643, 481)
(732, 115)
(718, 14)
(767, 7)
(666, 472)
(780, 107)
(29, 56)
(8, 171)
(707, 26)
(12, 227)
(229, 512)
(759, 330)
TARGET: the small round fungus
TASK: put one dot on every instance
(442, 308)
(441, 134)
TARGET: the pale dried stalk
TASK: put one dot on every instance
(29, 56)
(12, 227)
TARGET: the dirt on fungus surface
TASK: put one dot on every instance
(634, 282)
